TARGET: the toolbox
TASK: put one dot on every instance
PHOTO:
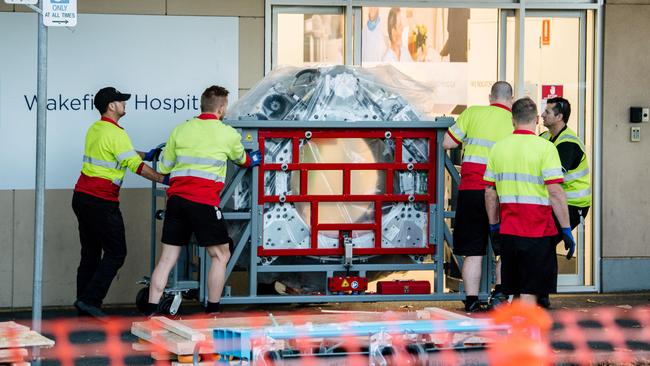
(403, 287)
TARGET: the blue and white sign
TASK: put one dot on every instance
(60, 13)
(164, 62)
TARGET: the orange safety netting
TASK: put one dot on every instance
(533, 337)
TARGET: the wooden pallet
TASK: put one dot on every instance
(175, 340)
(15, 339)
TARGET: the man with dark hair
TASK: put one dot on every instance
(196, 157)
(396, 51)
(573, 156)
(524, 174)
(477, 129)
(108, 153)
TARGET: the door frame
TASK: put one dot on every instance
(566, 282)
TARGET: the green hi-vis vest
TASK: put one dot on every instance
(201, 148)
(108, 153)
(576, 182)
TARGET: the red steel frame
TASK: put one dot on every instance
(397, 165)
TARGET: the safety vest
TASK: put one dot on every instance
(108, 153)
(196, 157)
(576, 181)
(478, 128)
(520, 166)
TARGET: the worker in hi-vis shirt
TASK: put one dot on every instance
(108, 153)
(477, 129)
(196, 158)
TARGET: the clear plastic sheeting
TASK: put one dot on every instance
(347, 150)
(415, 151)
(277, 151)
(284, 227)
(410, 182)
(335, 93)
(404, 225)
(278, 183)
(346, 212)
(360, 239)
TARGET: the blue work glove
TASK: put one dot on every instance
(569, 243)
(151, 154)
(495, 238)
(165, 179)
(256, 158)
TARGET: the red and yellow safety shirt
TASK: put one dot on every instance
(196, 157)
(520, 166)
(477, 129)
(108, 152)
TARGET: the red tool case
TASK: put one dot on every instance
(403, 287)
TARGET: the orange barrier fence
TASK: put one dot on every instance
(518, 334)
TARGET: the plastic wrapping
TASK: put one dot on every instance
(335, 93)
(340, 93)
(404, 225)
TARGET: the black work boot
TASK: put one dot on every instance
(497, 298)
(544, 301)
(88, 309)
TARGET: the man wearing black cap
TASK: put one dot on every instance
(108, 153)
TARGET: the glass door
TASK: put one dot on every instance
(308, 35)
(550, 61)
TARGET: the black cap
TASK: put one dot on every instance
(107, 95)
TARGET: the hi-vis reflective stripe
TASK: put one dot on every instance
(200, 161)
(519, 177)
(475, 159)
(578, 194)
(524, 199)
(102, 163)
(479, 142)
(576, 175)
(126, 155)
(198, 174)
(567, 136)
(457, 132)
(167, 163)
(117, 182)
(555, 172)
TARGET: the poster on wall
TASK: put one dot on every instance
(431, 45)
(550, 91)
(165, 62)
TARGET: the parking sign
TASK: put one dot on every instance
(60, 13)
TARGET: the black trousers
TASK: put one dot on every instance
(103, 246)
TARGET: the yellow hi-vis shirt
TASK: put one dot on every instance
(576, 181)
(520, 166)
(108, 153)
(196, 157)
(477, 129)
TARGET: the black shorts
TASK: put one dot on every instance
(574, 219)
(471, 226)
(184, 217)
(528, 265)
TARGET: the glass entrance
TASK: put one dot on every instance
(551, 61)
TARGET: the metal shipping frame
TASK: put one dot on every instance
(189, 275)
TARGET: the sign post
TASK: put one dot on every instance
(60, 13)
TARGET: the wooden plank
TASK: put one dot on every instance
(162, 356)
(26, 339)
(179, 328)
(442, 314)
(12, 352)
(4, 326)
